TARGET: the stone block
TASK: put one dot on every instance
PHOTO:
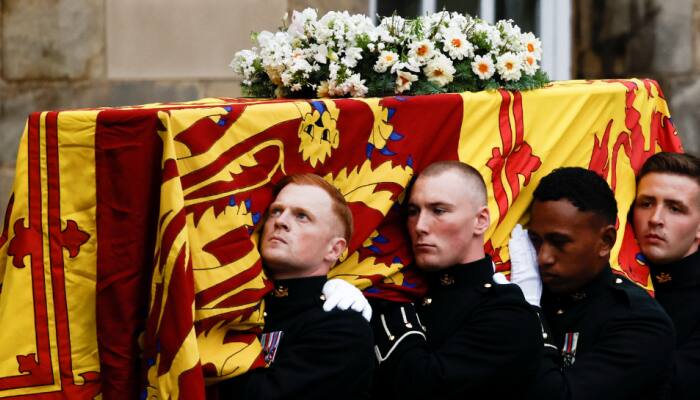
(696, 35)
(22, 99)
(221, 88)
(172, 39)
(673, 31)
(7, 179)
(684, 101)
(60, 39)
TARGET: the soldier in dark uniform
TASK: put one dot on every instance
(311, 353)
(474, 336)
(607, 338)
(666, 219)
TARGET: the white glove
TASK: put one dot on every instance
(343, 295)
(523, 265)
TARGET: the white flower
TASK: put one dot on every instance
(299, 20)
(320, 53)
(532, 45)
(296, 87)
(440, 70)
(386, 59)
(455, 43)
(355, 86)
(352, 54)
(243, 65)
(421, 51)
(509, 66)
(530, 63)
(404, 80)
(492, 34)
(483, 66)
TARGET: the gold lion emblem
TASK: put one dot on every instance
(318, 132)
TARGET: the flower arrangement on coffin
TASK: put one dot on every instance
(347, 55)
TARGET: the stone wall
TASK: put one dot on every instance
(646, 39)
(62, 54)
(59, 54)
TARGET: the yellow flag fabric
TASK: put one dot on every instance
(129, 263)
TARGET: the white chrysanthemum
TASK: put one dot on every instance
(483, 66)
(440, 70)
(455, 43)
(532, 45)
(386, 59)
(421, 51)
(509, 66)
(530, 65)
(404, 80)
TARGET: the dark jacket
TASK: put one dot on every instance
(613, 341)
(677, 288)
(483, 341)
(321, 355)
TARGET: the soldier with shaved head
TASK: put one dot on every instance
(473, 331)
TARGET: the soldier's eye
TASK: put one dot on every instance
(309, 129)
(325, 134)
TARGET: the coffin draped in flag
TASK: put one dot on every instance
(129, 262)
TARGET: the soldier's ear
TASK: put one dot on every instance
(336, 247)
(482, 221)
(608, 235)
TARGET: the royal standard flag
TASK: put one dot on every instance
(129, 264)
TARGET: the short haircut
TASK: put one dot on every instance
(585, 189)
(672, 163)
(469, 173)
(339, 205)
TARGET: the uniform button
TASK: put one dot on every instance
(618, 280)
(544, 336)
(322, 297)
(560, 311)
(447, 280)
(427, 301)
(487, 285)
(265, 314)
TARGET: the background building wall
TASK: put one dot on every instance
(646, 39)
(62, 54)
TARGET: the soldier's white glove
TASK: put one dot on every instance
(343, 295)
(523, 263)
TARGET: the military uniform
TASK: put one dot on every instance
(481, 340)
(613, 341)
(312, 354)
(677, 288)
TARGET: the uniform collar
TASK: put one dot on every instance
(589, 290)
(684, 272)
(296, 291)
(475, 273)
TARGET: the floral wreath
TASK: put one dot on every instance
(342, 55)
